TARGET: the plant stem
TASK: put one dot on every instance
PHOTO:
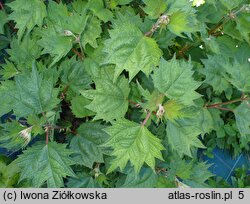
(1, 6)
(82, 53)
(226, 109)
(136, 104)
(146, 119)
(47, 129)
(162, 20)
(226, 103)
(212, 31)
(77, 53)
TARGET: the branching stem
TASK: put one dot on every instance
(213, 32)
(146, 119)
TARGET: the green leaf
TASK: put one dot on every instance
(173, 110)
(55, 44)
(11, 137)
(25, 52)
(9, 70)
(192, 173)
(5, 88)
(3, 21)
(243, 25)
(147, 178)
(174, 79)
(242, 116)
(214, 73)
(61, 30)
(123, 2)
(78, 104)
(8, 175)
(82, 181)
(132, 142)
(165, 182)
(238, 75)
(46, 163)
(36, 123)
(86, 144)
(98, 9)
(153, 100)
(74, 75)
(63, 20)
(200, 173)
(183, 22)
(130, 50)
(27, 16)
(183, 135)
(180, 168)
(154, 8)
(31, 94)
(108, 96)
(231, 4)
(92, 31)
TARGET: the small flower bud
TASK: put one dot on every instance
(160, 111)
(26, 135)
(68, 33)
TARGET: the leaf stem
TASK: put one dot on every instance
(146, 119)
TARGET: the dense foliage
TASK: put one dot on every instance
(122, 93)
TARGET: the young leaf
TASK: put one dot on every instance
(183, 22)
(173, 110)
(27, 16)
(174, 79)
(86, 144)
(9, 70)
(130, 50)
(153, 100)
(46, 163)
(132, 142)
(108, 96)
